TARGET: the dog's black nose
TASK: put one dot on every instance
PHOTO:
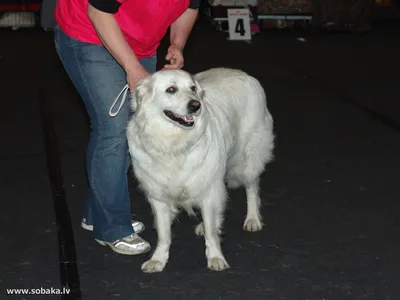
(193, 106)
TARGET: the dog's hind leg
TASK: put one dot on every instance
(163, 217)
(253, 218)
(212, 210)
(257, 153)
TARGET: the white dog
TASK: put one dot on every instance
(188, 136)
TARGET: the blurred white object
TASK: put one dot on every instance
(16, 20)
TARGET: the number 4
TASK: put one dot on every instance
(239, 27)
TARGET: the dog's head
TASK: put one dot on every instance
(169, 98)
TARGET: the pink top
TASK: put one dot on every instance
(143, 22)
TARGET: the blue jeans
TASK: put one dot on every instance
(98, 79)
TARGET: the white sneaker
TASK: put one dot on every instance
(131, 245)
(138, 227)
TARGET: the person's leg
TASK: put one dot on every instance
(150, 64)
(99, 79)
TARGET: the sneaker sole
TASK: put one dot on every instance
(90, 227)
(124, 252)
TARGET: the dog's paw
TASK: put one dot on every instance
(217, 264)
(153, 266)
(252, 224)
(199, 229)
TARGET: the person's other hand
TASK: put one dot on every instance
(134, 75)
(175, 57)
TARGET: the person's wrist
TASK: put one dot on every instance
(133, 67)
(177, 45)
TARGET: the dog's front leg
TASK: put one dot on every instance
(212, 210)
(163, 217)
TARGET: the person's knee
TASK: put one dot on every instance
(113, 135)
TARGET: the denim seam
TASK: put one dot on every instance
(95, 108)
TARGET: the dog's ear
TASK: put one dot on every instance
(199, 89)
(140, 91)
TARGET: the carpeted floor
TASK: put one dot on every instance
(330, 199)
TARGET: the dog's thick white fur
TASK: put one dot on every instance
(185, 161)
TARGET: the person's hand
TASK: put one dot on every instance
(175, 57)
(134, 75)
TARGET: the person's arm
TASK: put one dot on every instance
(101, 13)
(181, 28)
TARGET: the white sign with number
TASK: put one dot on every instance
(239, 24)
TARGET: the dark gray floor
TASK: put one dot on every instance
(330, 198)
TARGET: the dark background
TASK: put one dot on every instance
(330, 199)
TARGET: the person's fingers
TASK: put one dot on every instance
(173, 67)
(169, 55)
(172, 52)
(173, 61)
(169, 67)
(179, 62)
(175, 57)
(176, 65)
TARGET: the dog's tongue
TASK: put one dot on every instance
(188, 118)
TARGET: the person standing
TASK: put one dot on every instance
(104, 45)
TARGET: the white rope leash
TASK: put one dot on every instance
(124, 93)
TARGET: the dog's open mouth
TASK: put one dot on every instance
(187, 121)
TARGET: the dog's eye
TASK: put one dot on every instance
(171, 90)
(193, 88)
